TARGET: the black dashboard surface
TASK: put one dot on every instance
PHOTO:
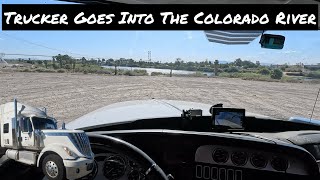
(185, 147)
(180, 153)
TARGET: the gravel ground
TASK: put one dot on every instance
(69, 96)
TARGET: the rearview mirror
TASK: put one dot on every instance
(272, 41)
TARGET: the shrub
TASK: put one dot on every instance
(291, 80)
(128, 73)
(135, 72)
(26, 70)
(247, 76)
(61, 71)
(229, 75)
(92, 71)
(231, 70)
(293, 70)
(157, 74)
(140, 72)
(314, 74)
(44, 70)
(264, 71)
(55, 66)
(276, 74)
(103, 71)
(198, 74)
(68, 66)
(294, 73)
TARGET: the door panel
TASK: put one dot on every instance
(27, 135)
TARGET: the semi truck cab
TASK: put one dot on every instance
(31, 137)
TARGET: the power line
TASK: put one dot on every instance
(26, 55)
(36, 55)
(43, 46)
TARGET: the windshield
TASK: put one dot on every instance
(42, 123)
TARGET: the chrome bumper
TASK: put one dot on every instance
(79, 168)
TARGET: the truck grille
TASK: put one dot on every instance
(82, 143)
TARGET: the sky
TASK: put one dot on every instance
(165, 46)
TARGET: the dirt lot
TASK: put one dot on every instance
(69, 96)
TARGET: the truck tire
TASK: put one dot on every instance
(53, 168)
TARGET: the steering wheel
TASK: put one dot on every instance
(115, 153)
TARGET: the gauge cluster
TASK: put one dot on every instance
(117, 167)
(250, 159)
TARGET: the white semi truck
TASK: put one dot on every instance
(31, 137)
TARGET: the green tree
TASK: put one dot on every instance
(83, 60)
(64, 60)
(238, 62)
(258, 63)
(276, 74)
(59, 59)
(248, 64)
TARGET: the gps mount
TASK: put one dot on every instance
(188, 114)
(219, 105)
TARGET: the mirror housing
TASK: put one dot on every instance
(272, 41)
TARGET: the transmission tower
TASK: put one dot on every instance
(149, 56)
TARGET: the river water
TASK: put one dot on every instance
(164, 71)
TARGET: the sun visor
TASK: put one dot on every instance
(232, 37)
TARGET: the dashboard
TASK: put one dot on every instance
(189, 149)
(217, 156)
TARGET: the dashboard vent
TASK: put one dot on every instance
(220, 155)
(239, 158)
(279, 164)
(259, 160)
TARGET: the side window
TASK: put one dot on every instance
(6, 128)
(27, 127)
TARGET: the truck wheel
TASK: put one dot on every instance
(53, 168)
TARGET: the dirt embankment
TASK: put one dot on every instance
(69, 96)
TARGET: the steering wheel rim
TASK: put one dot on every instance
(119, 146)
